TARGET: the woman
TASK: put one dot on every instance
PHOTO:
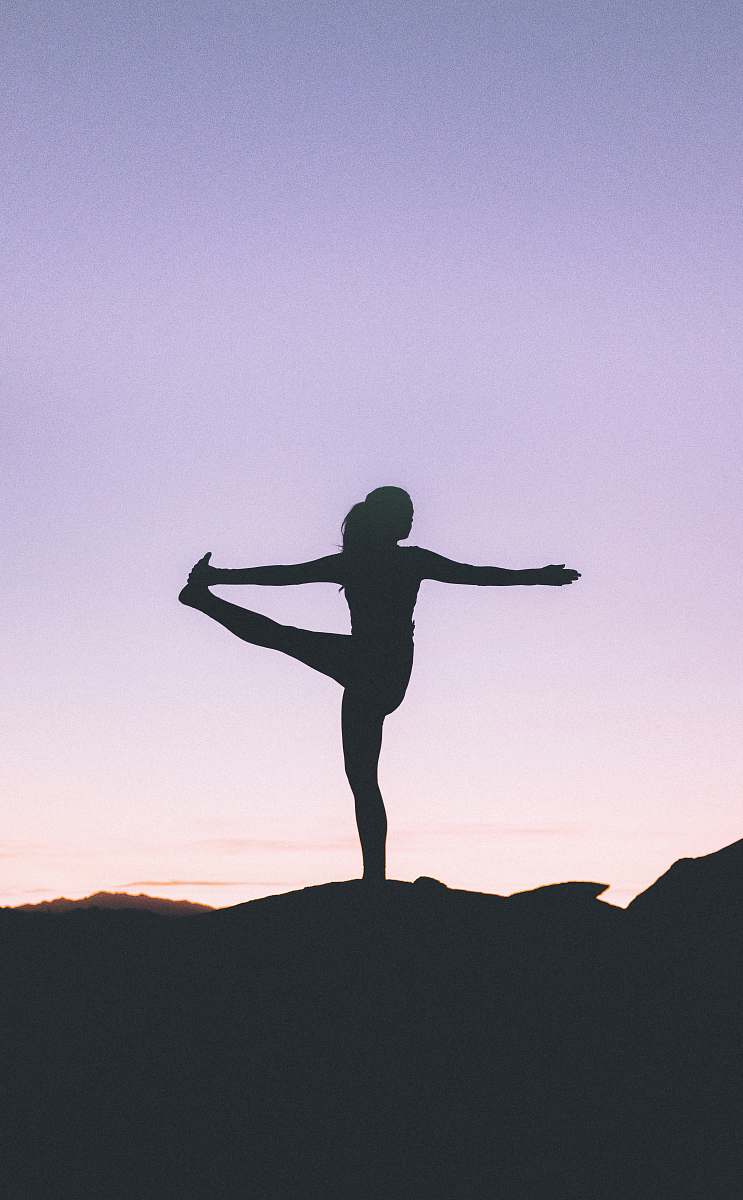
(372, 664)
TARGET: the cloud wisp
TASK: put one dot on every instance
(234, 845)
(19, 849)
(482, 829)
(208, 883)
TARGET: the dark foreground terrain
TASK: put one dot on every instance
(417, 1043)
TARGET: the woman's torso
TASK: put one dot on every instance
(381, 590)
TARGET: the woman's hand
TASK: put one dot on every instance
(203, 572)
(557, 574)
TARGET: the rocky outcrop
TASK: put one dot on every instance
(412, 1041)
(709, 888)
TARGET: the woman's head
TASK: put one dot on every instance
(383, 518)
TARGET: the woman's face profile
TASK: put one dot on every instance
(400, 518)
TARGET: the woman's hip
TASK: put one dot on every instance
(381, 672)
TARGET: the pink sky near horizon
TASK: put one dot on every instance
(262, 258)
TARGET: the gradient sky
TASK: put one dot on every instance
(262, 257)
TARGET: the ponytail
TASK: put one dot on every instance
(357, 529)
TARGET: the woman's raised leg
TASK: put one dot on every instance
(361, 724)
(327, 653)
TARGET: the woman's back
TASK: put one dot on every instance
(381, 588)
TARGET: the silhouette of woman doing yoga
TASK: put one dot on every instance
(373, 663)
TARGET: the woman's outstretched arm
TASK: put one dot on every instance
(435, 566)
(320, 570)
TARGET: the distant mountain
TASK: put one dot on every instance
(117, 900)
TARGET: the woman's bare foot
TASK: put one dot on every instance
(191, 594)
(196, 585)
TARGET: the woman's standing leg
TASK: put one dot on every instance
(361, 724)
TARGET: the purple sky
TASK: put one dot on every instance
(263, 257)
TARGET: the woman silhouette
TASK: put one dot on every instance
(372, 664)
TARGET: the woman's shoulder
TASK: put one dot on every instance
(415, 558)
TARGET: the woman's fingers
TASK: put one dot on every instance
(558, 574)
(199, 567)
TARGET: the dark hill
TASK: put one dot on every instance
(418, 1042)
(709, 887)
